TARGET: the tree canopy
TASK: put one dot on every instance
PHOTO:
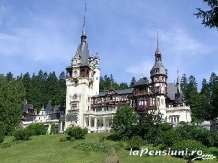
(210, 17)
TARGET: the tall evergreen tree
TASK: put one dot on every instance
(11, 104)
(193, 99)
(184, 83)
(9, 77)
(123, 85)
(133, 81)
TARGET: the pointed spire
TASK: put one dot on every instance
(157, 50)
(178, 82)
(84, 23)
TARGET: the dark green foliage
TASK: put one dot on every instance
(206, 137)
(53, 130)
(2, 133)
(37, 129)
(23, 134)
(42, 88)
(210, 17)
(133, 81)
(112, 157)
(170, 137)
(11, 104)
(189, 145)
(123, 122)
(186, 131)
(135, 142)
(76, 132)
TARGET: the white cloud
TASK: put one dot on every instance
(180, 41)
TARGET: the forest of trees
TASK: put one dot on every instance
(40, 88)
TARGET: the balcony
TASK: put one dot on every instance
(92, 112)
(74, 111)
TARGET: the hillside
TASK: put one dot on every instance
(48, 149)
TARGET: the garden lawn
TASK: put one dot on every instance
(48, 149)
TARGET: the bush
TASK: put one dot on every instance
(135, 142)
(190, 146)
(1, 132)
(170, 137)
(155, 133)
(204, 136)
(53, 130)
(77, 132)
(187, 131)
(112, 157)
(37, 129)
(23, 134)
(63, 139)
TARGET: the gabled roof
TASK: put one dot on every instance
(141, 81)
(172, 89)
(48, 108)
(26, 107)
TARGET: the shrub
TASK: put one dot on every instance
(53, 130)
(63, 139)
(112, 157)
(37, 129)
(206, 137)
(155, 133)
(189, 146)
(170, 137)
(187, 131)
(135, 142)
(1, 132)
(77, 132)
(23, 134)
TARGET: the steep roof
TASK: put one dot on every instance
(48, 108)
(83, 52)
(158, 65)
(141, 81)
(26, 107)
(172, 89)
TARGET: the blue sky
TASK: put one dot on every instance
(39, 34)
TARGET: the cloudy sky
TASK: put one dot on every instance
(39, 34)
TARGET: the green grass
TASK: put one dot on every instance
(48, 149)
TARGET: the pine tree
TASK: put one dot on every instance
(11, 104)
(133, 81)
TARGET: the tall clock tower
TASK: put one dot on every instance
(158, 75)
(82, 82)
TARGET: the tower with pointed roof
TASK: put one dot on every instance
(158, 75)
(82, 82)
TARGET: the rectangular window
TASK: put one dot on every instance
(96, 78)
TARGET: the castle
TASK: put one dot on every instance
(86, 106)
